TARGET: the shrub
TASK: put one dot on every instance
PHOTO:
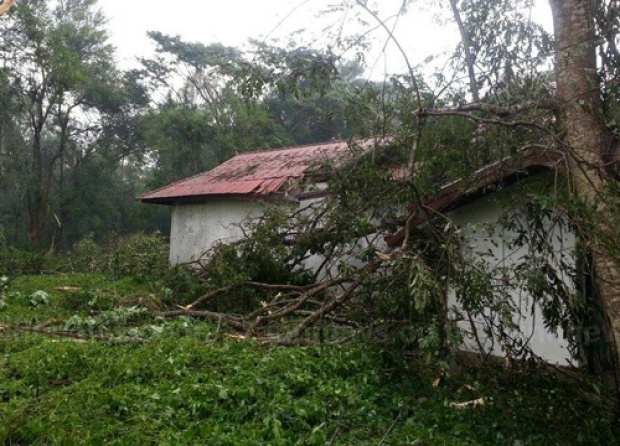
(183, 285)
(14, 261)
(87, 256)
(139, 255)
(144, 256)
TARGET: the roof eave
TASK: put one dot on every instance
(455, 195)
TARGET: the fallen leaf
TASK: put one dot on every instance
(472, 403)
(383, 256)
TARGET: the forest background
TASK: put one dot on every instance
(81, 139)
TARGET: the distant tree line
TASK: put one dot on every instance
(80, 138)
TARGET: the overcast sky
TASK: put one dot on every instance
(233, 22)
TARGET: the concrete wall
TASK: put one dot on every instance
(197, 227)
(486, 241)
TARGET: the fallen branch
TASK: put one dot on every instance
(73, 335)
(331, 305)
(231, 321)
(49, 323)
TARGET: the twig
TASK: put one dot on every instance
(333, 438)
(231, 321)
(209, 297)
(331, 305)
(73, 335)
(265, 286)
(392, 426)
(296, 304)
(6, 5)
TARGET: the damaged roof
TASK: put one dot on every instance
(462, 191)
(258, 174)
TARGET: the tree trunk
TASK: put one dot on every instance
(37, 201)
(586, 139)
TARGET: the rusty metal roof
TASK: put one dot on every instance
(257, 173)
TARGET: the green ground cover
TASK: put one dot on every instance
(189, 382)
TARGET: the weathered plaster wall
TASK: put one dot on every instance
(197, 227)
(478, 221)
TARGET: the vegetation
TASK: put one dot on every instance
(193, 382)
(369, 331)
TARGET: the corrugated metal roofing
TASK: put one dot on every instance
(257, 173)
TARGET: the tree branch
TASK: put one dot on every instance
(501, 111)
(473, 117)
(469, 61)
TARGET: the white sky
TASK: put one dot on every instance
(233, 22)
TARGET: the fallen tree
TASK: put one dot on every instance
(323, 272)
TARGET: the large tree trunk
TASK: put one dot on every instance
(36, 205)
(587, 139)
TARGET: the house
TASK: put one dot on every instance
(209, 208)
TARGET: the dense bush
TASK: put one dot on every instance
(140, 255)
(15, 261)
(182, 285)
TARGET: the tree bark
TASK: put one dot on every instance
(36, 205)
(5, 6)
(469, 60)
(586, 139)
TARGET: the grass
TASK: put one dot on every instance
(192, 384)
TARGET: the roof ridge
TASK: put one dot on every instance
(303, 146)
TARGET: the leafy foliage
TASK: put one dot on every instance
(142, 256)
(190, 384)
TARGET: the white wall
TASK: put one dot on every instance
(197, 227)
(478, 222)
